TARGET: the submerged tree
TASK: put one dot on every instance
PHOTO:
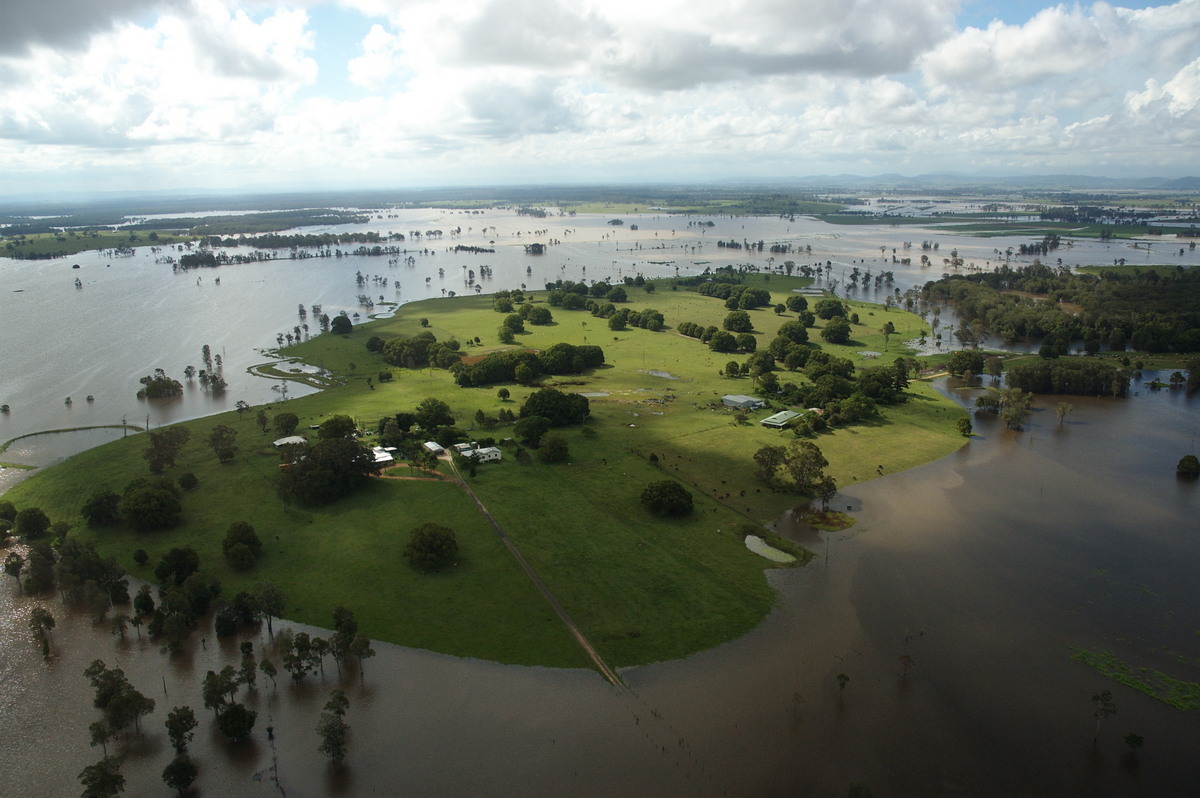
(180, 773)
(332, 727)
(1104, 709)
(103, 779)
(181, 724)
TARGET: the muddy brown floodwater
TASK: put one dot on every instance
(987, 569)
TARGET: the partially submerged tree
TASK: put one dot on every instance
(332, 727)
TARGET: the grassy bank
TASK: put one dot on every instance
(641, 588)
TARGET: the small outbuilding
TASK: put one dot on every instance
(291, 440)
(434, 448)
(742, 402)
(780, 419)
(383, 457)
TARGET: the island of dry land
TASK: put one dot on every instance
(640, 587)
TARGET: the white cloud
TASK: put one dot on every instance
(204, 75)
(26, 24)
(553, 89)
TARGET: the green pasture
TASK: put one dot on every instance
(641, 588)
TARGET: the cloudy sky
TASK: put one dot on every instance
(102, 95)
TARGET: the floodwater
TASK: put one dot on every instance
(132, 314)
(986, 568)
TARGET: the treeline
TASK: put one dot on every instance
(1081, 377)
(1146, 311)
(303, 240)
(736, 295)
(524, 366)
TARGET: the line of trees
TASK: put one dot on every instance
(1147, 311)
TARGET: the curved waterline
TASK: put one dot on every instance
(4, 446)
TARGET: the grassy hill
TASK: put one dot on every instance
(642, 589)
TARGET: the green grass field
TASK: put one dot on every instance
(641, 588)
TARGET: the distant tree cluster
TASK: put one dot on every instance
(803, 462)
(159, 386)
(1012, 405)
(1078, 376)
(325, 471)
(1148, 311)
(525, 367)
(737, 296)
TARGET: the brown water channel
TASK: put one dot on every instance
(985, 568)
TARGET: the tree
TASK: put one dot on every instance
(40, 624)
(554, 448)
(165, 446)
(964, 362)
(181, 725)
(503, 393)
(333, 729)
(360, 649)
(337, 427)
(1063, 409)
(269, 670)
(241, 545)
(31, 523)
(1189, 466)
(769, 459)
(433, 413)
(825, 489)
(151, 506)
(430, 546)
(100, 735)
(888, 329)
(558, 408)
(341, 325)
(13, 563)
(530, 429)
(1015, 407)
(103, 779)
(667, 497)
(102, 508)
(828, 308)
(1104, 708)
(271, 602)
(236, 722)
(262, 420)
(806, 464)
(836, 330)
(330, 470)
(180, 773)
(964, 426)
(176, 566)
(738, 321)
(286, 423)
(223, 441)
(722, 341)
